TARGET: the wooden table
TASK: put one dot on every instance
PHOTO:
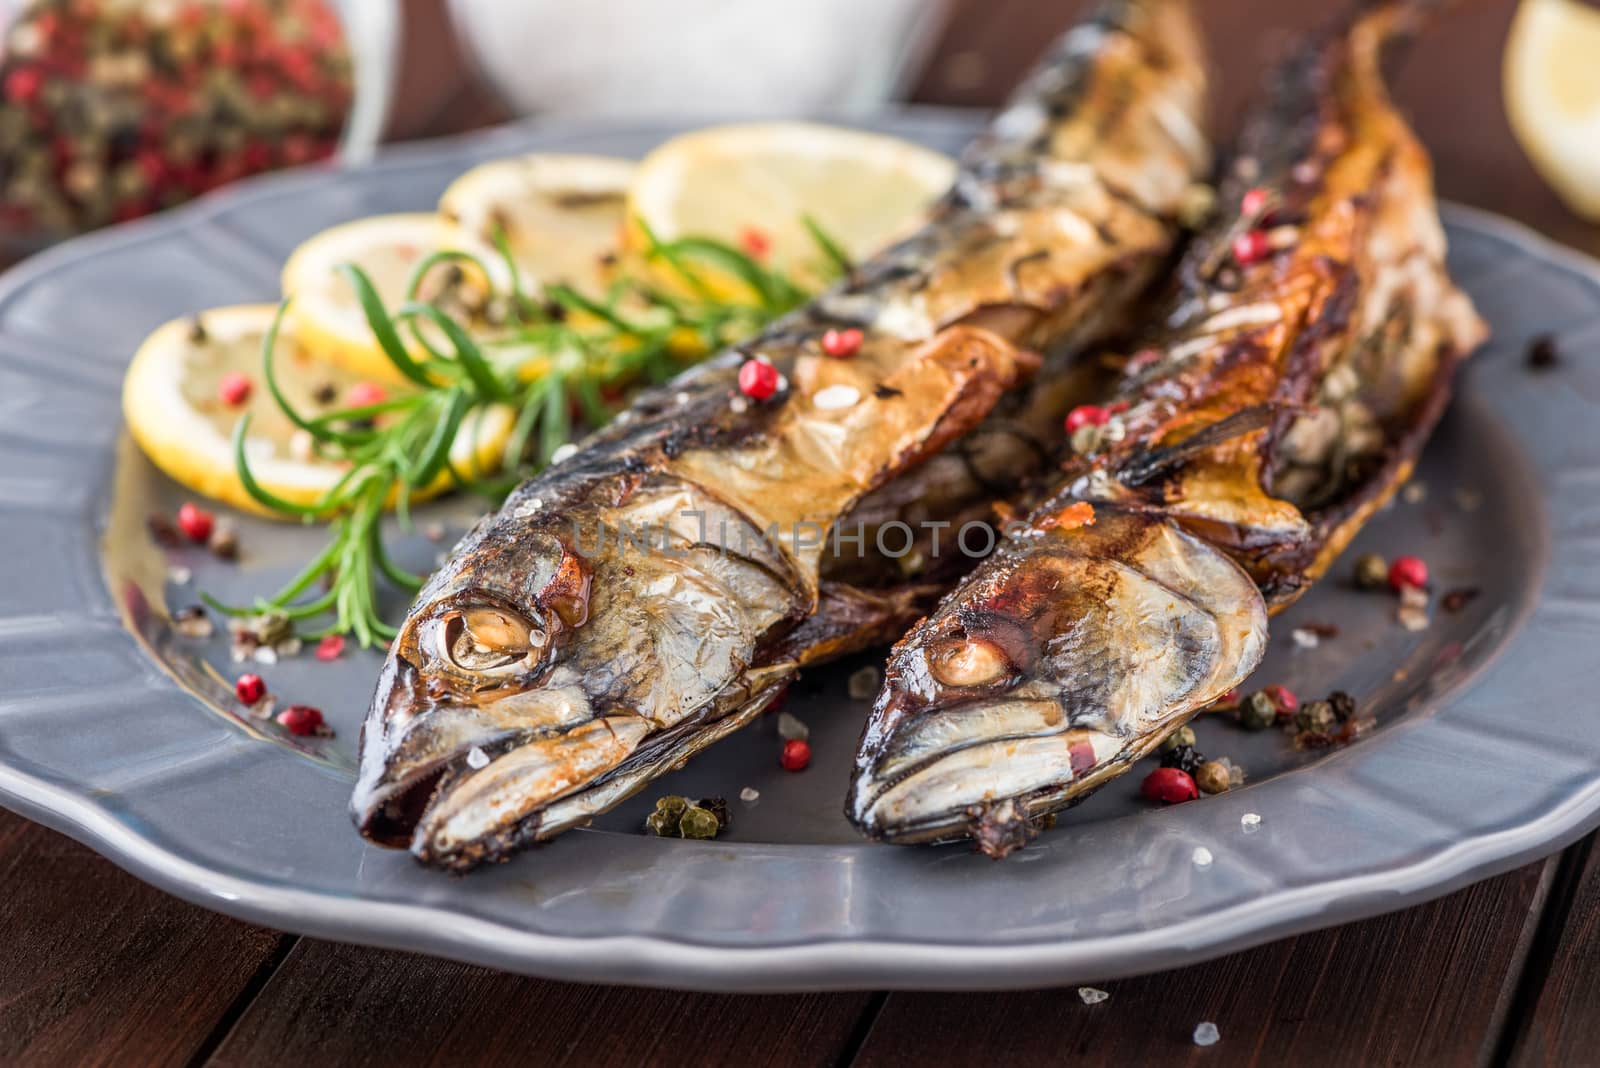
(96, 967)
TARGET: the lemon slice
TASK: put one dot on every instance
(172, 401)
(1552, 93)
(324, 311)
(561, 215)
(754, 184)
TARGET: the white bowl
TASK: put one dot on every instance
(685, 57)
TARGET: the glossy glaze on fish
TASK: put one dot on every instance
(1286, 396)
(653, 593)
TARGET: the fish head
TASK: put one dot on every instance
(470, 666)
(1073, 654)
(562, 638)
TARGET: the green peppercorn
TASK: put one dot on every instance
(697, 822)
(1181, 737)
(664, 821)
(1316, 716)
(1372, 572)
(1258, 712)
(1212, 777)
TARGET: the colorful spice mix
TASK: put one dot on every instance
(111, 109)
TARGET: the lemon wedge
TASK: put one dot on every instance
(325, 312)
(173, 399)
(1552, 94)
(561, 215)
(754, 184)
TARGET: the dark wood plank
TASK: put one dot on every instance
(333, 1004)
(98, 968)
(1429, 985)
(1555, 1022)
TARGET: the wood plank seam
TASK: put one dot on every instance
(1542, 952)
(243, 1000)
(863, 1028)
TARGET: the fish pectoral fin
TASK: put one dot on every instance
(943, 392)
(1155, 463)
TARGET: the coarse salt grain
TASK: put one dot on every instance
(564, 453)
(265, 654)
(863, 684)
(1250, 822)
(1413, 610)
(790, 726)
(749, 795)
(1414, 493)
(1304, 639)
(738, 406)
(835, 398)
(179, 576)
(1091, 996)
(680, 398)
(477, 758)
(1202, 857)
(1206, 1034)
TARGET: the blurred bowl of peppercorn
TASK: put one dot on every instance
(113, 109)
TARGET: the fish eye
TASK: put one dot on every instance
(968, 662)
(488, 640)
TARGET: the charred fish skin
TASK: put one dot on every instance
(1139, 591)
(1332, 356)
(632, 605)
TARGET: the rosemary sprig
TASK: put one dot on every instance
(566, 350)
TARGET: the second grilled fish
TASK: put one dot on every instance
(1307, 355)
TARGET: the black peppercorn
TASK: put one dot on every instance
(1183, 757)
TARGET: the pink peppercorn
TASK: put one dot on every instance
(758, 379)
(300, 720)
(1169, 786)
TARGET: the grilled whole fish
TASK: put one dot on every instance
(1305, 357)
(630, 606)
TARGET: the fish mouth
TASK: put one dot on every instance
(491, 793)
(430, 749)
(959, 772)
(458, 785)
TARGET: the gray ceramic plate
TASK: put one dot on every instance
(1486, 755)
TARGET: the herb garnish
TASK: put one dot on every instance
(564, 361)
